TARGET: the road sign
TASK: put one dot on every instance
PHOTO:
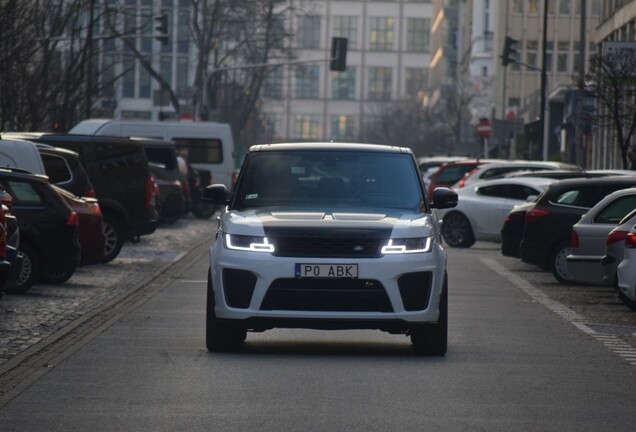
(483, 128)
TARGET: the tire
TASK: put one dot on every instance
(57, 277)
(432, 339)
(558, 264)
(221, 335)
(457, 231)
(29, 272)
(113, 237)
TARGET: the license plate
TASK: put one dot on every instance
(348, 271)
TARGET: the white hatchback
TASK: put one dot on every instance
(328, 236)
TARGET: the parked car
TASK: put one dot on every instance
(171, 198)
(548, 222)
(64, 169)
(626, 271)
(20, 153)
(118, 170)
(12, 241)
(567, 174)
(482, 208)
(614, 248)
(425, 163)
(328, 236)
(492, 171)
(589, 235)
(91, 230)
(5, 265)
(49, 243)
(451, 172)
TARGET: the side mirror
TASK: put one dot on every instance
(444, 198)
(215, 194)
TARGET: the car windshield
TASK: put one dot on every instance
(324, 179)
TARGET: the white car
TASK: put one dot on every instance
(482, 209)
(493, 171)
(589, 236)
(328, 236)
(626, 272)
(614, 248)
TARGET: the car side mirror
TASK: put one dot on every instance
(444, 198)
(216, 194)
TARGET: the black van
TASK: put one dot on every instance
(118, 170)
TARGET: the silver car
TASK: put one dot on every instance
(626, 272)
(590, 234)
(614, 248)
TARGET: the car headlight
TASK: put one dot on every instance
(248, 243)
(407, 245)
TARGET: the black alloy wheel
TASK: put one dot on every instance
(113, 237)
(29, 272)
(221, 335)
(457, 231)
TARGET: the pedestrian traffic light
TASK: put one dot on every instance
(338, 54)
(162, 28)
(509, 53)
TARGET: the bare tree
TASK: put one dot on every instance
(611, 81)
(399, 123)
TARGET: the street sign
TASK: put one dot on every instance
(483, 128)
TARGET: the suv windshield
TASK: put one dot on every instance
(313, 178)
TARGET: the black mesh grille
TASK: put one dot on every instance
(340, 295)
(328, 243)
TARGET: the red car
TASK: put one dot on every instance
(91, 233)
(451, 172)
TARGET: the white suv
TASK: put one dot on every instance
(328, 236)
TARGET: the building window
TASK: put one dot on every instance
(533, 7)
(380, 83)
(381, 36)
(347, 27)
(517, 6)
(416, 81)
(564, 7)
(342, 127)
(182, 77)
(309, 32)
(531, 53)
(165, 68)
(307, 82)
(549, 50)
(418, 32)
(563, 56)
(343, 86)
(273, 84)
(306, 126)
(128, 80)
(183, 32)
(144, 80)
(272, 125)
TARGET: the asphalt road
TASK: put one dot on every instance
(519, 359)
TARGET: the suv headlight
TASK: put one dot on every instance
(407, 245)
(248, 243)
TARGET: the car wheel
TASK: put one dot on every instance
(57, 277)
(558, 263)
(457, 231)
(432, 339)
(113, 237)
(221, 335)
(627, 301)
(29, 272)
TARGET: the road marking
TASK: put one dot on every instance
(611, 342)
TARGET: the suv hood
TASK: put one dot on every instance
(401, 224)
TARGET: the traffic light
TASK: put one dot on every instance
(162, 28)
(338, 54)
(509, 52)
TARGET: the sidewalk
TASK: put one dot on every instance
(27, 319)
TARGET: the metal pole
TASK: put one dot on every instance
(544, 78)
(580, 149)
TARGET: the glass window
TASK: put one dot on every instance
(273, 125)
(418, 32)
(380, 83)
(416, 81)
(199, 150)
(517, 6)
(273, 84)
(496, 191)
(22, 192)
(128, 79)
(309, 32)
(183, 32)
(533, 7)
(343, 86)
(579, 197)
(56, 169)
(165, 68)
(307, 82)
(346, 26)
(549, 49)
(563, 56)
(564, 7)
(306, 126)
(182, 77)
(531, 53)
(331, 179)
(342, 127)
(144, 80)
(615, 211)
(381, 33)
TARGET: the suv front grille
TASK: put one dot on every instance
(333, 295)
(328, 243)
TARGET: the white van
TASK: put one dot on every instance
(206, 145)
(21, 154)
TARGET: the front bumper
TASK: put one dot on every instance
(376, 299)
